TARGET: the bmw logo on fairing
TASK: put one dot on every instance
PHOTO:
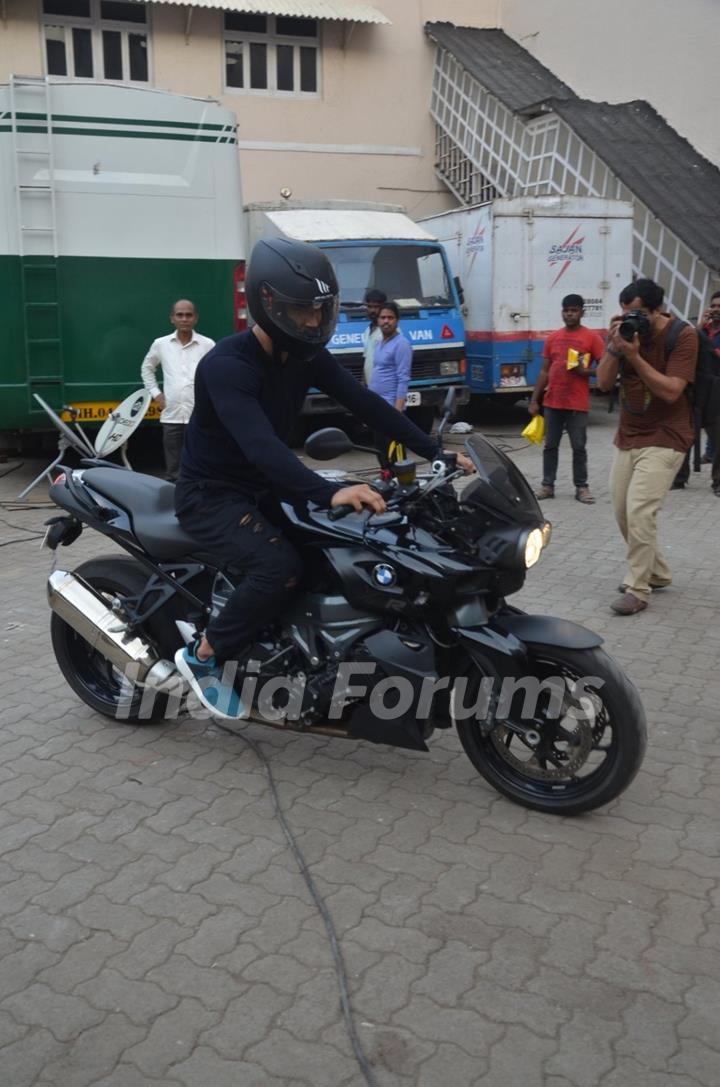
(384, 575)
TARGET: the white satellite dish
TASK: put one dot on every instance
(122, 422)
(113, 434)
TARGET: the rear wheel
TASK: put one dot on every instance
(573, 744)
(97, 682)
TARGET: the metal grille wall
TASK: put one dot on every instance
(484, 150)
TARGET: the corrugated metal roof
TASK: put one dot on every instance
(299, 9)
(326, 225)
(502, 66)
(661, 168)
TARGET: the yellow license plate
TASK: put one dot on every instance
(97, 411)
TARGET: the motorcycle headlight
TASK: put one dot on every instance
(546, 533)
(512, 548)
(533, 547)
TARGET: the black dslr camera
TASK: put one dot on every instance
(634, 321)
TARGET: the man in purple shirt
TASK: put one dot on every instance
(392, 361)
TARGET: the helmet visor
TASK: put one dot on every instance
(307, 321)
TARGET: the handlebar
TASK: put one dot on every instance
(337, 512)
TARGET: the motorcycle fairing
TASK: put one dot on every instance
(547, 630)
(408, 656)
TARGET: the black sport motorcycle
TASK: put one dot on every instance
(400, 627)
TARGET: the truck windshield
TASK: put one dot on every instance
(413, 276)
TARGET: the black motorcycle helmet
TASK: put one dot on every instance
(292, 293)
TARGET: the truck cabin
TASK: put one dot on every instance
(412, 274)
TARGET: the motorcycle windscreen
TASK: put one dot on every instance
(500, 485)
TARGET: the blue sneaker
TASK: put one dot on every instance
(211, 682)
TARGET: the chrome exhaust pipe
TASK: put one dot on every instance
(83, 609)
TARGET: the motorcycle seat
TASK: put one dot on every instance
(151, 506)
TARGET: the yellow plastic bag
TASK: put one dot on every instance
(535, 430)
(577, 359)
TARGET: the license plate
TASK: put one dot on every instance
(413, 400)
(97, 411)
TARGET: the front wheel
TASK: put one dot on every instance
(568, 738)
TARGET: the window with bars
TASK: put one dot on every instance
(96, 39)
(271, 54)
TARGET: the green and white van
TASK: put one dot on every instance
(114, 203)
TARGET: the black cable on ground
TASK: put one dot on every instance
(9, 524)
(12, 468)
(340, 969)
(26, 539)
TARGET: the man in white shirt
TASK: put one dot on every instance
(372, 335)
(177, 355)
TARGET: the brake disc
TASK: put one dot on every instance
(577, 753)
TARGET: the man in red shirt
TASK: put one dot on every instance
(562, 390)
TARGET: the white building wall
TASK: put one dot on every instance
(367, 136)
(662, 51)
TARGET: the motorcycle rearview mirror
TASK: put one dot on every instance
(328, 443)
(449, 410)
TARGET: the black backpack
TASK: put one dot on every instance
(704, 392)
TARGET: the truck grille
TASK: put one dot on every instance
(425, 364)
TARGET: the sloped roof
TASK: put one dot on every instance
(315, 9)
(661, 168)
(503, 67)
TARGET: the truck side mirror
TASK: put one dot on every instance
(459, 289)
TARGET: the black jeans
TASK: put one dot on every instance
(232, 527)
(713, 436)
(575, 423)
(173, 441)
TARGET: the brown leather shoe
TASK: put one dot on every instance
(655, 588)
(628, 604)
(544, 491)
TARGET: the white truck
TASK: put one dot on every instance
(516, 259)
(377, 245)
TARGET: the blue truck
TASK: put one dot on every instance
(378, 246)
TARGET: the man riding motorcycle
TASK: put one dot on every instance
(249, 392)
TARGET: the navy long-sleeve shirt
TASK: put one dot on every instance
(246, 405)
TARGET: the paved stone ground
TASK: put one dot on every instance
(155, 930)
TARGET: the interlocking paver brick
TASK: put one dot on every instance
(65, 1015)
(148, 882)
(140, 1001)
(320, 1066)
(213, 986)
(519, 1057)
(25, 1059)
(206, 1066)
(95, 1053)
(246, 1020)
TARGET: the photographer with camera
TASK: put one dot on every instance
(655, 430)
